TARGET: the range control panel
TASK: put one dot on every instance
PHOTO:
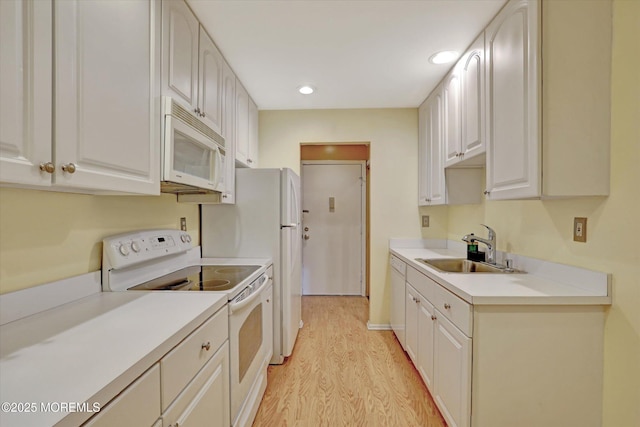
(128, 249)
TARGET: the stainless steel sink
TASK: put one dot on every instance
(462, 265)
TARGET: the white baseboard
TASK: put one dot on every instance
(378, 326)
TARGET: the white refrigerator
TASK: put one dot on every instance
(264, 222)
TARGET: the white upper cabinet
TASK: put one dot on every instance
(105, 137)
(25, 84)
(228, 131)
(210, 87)
(252, 159)
(431, 184)
(472, 105)
(548, 99)
(452, 129)
(180, 41)
(192, 69)
(107, 107)
(511, 49)
(242, 124)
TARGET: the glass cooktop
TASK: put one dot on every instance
(200, 278)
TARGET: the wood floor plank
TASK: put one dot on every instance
(342, 374)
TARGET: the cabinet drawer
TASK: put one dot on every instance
(182, 363)
(399, 265)
(458, 311)
(424, 285)
(205, 401)
(137, 405)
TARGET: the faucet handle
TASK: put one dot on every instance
(492, 233)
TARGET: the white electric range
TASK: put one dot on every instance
(165, 260)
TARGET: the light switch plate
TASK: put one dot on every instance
(425, 220)
(579, 229)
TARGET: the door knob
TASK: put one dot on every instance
(305, 237)
(306, 229)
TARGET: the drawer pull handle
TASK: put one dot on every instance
(206, 346)
(447, 306)
(433, 317)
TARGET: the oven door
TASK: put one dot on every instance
(248, 343)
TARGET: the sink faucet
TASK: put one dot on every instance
(490, 242)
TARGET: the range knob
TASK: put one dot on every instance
(135, 246)
(185, 238)
(124, 250)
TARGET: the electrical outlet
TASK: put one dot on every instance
(183, 224)
(425, 220)
(579, 229)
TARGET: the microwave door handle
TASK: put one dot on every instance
(217, 168)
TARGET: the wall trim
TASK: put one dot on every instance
(378, 326)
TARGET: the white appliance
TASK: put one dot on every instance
(264, 222)
(193, 154)
(164, 260)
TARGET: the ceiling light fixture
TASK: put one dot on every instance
(306, 90)
(444, 57)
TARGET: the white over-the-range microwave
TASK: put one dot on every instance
(193, 154)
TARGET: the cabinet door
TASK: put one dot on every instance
(229, 131)
(211, 70)
(472, 100)
(107, 95)
(426, 332)
(25, 84)
(398, 305)
(512, 126)
(252, 158)
(180, 34)
(423, 159)
(452, 373)
(452, 127)
(242, 124)
(137, 405)
(205, 401)
(435, 164)
(411, 322)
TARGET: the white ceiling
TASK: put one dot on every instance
(356, 53)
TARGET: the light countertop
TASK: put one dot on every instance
(91, 349)
(513, 288)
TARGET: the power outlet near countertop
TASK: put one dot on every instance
(425, 221)
(580, 229)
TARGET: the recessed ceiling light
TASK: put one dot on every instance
(444, 57)
(306, 90)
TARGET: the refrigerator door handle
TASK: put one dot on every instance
(294, 225)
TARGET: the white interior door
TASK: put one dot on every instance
(333, 229)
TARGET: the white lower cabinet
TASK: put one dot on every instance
(137, 405)
(505, 365)
(398, 270)
(189, 386)
(205, 401)
(452, 371)
(440, 351)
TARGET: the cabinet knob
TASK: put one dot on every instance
(224, 196)
(48, 167)
(197, 111)
(417, 300)
(249, 161)
(206, 346)
(447, 305)
(486, 192)
(433, 317)
(69, 168)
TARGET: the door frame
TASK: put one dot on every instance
(363, 209)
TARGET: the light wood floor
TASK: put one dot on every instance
(341, 374)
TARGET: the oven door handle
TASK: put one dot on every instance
(245, 302)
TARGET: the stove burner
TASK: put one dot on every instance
(212, 285)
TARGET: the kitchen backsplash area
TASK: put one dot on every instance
(47, 236)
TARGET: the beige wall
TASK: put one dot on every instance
(47, 236)
(393, 180)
